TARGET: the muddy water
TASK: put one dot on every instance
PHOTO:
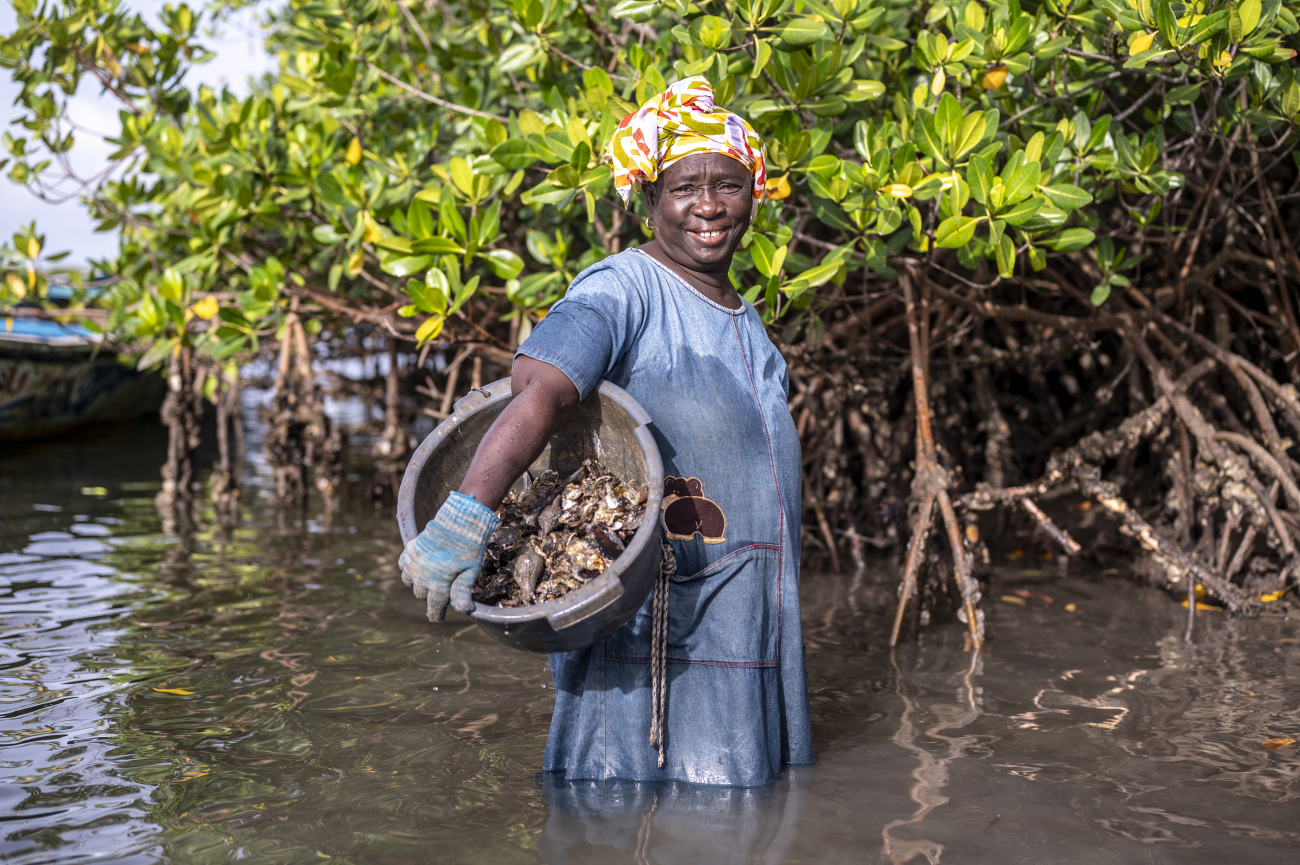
(274, 695)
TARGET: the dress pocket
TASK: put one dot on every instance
(727, 612)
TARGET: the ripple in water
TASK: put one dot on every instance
(273, 694)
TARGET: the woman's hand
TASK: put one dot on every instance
(443, 561)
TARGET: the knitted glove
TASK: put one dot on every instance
(444, 560)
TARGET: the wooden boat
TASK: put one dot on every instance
(52, 380)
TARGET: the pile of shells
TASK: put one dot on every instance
(558, 535)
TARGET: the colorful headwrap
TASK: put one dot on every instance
(677, 123)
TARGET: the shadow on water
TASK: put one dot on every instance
(273, 694)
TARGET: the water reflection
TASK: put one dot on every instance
(270, 693)
(622, 821)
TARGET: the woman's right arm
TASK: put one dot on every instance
(544, 398)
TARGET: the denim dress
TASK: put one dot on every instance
(716, 389)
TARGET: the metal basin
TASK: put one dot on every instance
(608, 425)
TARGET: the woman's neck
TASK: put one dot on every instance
(716, 286)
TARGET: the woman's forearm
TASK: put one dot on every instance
(544, 398)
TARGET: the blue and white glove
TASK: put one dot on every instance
(444, 560)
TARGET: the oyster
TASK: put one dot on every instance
(556, 536)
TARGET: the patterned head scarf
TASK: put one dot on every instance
(677, 123)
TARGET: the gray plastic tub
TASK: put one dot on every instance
(608, 425)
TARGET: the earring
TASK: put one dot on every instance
(649, 226)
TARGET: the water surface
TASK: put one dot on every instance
(273, 694)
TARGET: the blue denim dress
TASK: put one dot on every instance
(716, 389)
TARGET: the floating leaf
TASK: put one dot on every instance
(178, 691)
(1281, 741)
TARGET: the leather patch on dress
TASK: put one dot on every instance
(687, 512)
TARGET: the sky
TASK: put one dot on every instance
(66, 226)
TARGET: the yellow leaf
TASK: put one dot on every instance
(1224, 59)
(371, 233)
(778, 188)
(1274, 596)
(1070, 608)
(1204, 607)
(180, 691)
(16, 286)
(430, 329)
(355, 262)
(354, 151)
(972, 533)
(936, 83)
(995, 77)
(1012, 599)
(1280, 742)
(33, 247)
(206, 308)
(897, 190)
(1140, 44)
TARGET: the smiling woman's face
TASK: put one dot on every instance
(700, 210)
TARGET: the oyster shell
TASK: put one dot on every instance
(558, 535)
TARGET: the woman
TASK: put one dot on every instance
(663, 322)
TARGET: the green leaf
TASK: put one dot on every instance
(503, 262)
(639, 11)
(1166, 22)
(762, 54)
(1070, 240)
(971, 134)
(1066, 196)
(812, 277)
(419, 221)
(1021, 183)
(947, 121)
(327, 235)
(172, 285)
(449, 218)
(1100, 293)
(798, 33)
(1005, 253)
(405, 266)
(712, 32)
(925, 134)
(395, 244)
(955, 231)
(581, 156)
(861, 90)
(979, 175)
(763, 252)
(490, 224)
(515, 153)
(462, 175)
(437, 246)
(1249, 10)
